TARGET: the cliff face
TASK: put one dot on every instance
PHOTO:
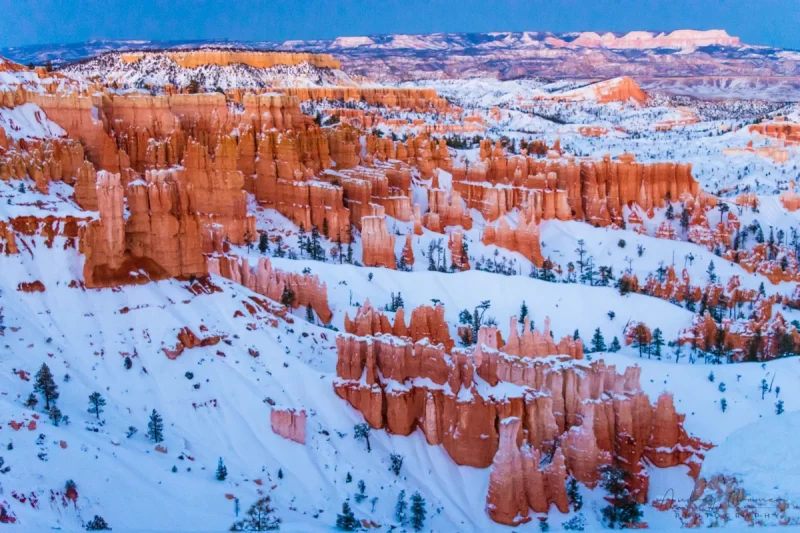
(198, 58)
(582, 416)
(594, 191)
(174, 215)
(523, 239)
(289, 424)
(377, 242)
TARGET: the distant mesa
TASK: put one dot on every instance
(681, 39)
(223, 58)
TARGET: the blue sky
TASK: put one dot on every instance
(22, 22)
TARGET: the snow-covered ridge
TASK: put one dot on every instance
(159, 69)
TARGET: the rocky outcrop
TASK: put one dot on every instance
(523, 239)
(289, 424)
(458, 251)
(272, 283)
(579, 416)
(377, 242)
(507, 500)
(49, 227)
(427, 322)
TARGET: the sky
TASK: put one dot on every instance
(26, 22)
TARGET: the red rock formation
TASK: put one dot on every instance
(506, 501)
(289, 424)
(523, 239)
(587, 415)
(377, 242)
(266, 280)
(594, 191)
(48, 227)
(408, 251)
(426, 323)
(414, 99)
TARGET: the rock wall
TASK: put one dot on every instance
(272, 283)
(377, 243)
(594, 191)
(523, 239)
(413, 99)
(289, 424)
(427, 322)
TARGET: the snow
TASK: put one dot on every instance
(28, 121)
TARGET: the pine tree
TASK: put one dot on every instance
(574, 495)
(127, 363)
(96, 403)
(349, 258)
(348, 478)
(418, 511)
(55, 415)
(309, 313)
(598, 342)
(581, 251)
(396, 461)
(712, 276)
(31, 402)
(523, 312)
(222, 470)
(615, 346)
(347, 520)
(657, 343)
(259, 518)
(361, 432)
(279, 251)
(576, 335)
(97, 524)
(315, 249)
(723, 403)
(400, 507)
(46, 386)
(779, 407)
(623, 509)
(156, 427)
(263, 243)
(361, 495)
